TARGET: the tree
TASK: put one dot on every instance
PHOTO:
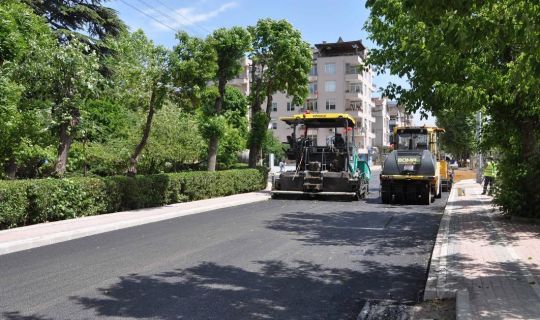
(175, 142)
(281, 61)
(142, 70)
(88, 16)
(25, 44)
(74, 70)
(230, 126)
(230, 46)
(459, 138)
(193, 65)
(470, 56)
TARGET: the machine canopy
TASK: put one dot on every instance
(423, 129)
(321, 120)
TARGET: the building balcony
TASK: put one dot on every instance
(358, 115)
(353, 77)
(353, 95)
(238, 81)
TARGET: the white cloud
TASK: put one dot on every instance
(185, 16)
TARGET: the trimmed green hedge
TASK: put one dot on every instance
(25, 202)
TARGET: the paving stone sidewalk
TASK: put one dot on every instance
(496, 259)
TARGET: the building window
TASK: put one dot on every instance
(355, 105)
(311, 104)
(355, 87)
(290, 107)
(330, 86)
(330, 104)
(274, 106)
(313, 87)
(352, 69)
(313, 71)
(330, 68)
(274, 125)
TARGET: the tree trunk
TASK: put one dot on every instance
(212, 153)
(134, 159)
(257, 132)
(256, 145)
(253, 155)
(66, 139)
(11, 169)
(214, 141)
(529, 141)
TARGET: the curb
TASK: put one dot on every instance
(170, 213)
(434, 288)
(463, 305)
(436, 283)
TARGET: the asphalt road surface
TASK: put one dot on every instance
(278, 259)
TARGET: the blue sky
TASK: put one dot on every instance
(318, 20)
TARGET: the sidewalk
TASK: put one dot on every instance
(23, 238)
(492, 263)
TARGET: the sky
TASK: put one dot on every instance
(317, 20)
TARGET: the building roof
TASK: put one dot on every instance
(377, 101)
(393, 109)
(341, 48)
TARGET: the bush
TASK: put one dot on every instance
(35, 201)
(59, 199)
(13, 203)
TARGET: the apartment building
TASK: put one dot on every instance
(398, 116)
(337, 84)
(242, 82)
(382, 122)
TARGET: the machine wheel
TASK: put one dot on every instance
(426, 197)
(385, 198)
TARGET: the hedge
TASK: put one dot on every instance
(24, 202)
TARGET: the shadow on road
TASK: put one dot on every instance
(379, 233)
(19, 316)
(276, 291)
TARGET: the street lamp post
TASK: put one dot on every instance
(479, 154)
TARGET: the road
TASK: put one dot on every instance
(277, 259)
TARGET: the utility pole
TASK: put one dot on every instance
(479, 153)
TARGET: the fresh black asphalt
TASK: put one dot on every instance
(277, 259)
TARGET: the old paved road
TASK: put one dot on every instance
(277, 259)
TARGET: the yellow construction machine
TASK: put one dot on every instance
(331, 170)
(415, 171)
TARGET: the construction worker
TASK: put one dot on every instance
(490, 172)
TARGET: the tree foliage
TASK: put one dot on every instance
(281, 61)
(153, 110)
(89, 16)
(26, 43)
(193, 65)
(230, 46)
(459, 139)
(143, 71)
(471, 56)
(230, 126)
